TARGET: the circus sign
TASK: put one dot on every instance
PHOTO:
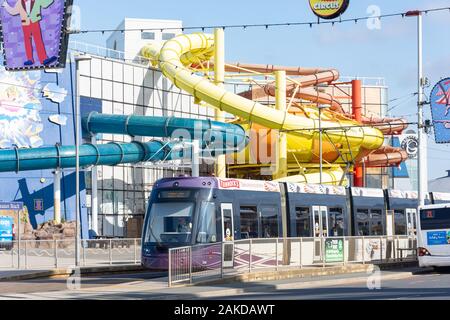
(440, 110)
(329, 9)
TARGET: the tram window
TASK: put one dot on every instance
(269, 222)
(207, 231)
(376, 222)
(249, 222)
(362, 216)
(303, 222)
(336, 221)
(400, 223)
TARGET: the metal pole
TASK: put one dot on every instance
(56, 252)
(57, 195)
(135, 251)
(280, 103)
(110, 251)
(26, 255)
(170, 267)
(77, 166)
(19, 242)
(301, 261)
(276, 252)
(219, 79)
(422, 157)
(78, 59)
(250, 256)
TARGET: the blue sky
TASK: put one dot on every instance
(352, 48)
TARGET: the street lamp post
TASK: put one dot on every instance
(422, 136)
(78, 59)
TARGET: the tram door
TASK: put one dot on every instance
(227, 235)
(320, 223)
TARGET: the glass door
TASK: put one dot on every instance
(320, 223)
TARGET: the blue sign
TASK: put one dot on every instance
(12, 206)
(438, 238)
(440, 110)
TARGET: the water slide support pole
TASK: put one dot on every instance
(357, 113)
(281, 154)
(57, 195)
(219, 74)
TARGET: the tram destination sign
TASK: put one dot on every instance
(329, 9)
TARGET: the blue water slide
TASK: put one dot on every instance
(224, 136)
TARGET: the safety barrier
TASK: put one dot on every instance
(46, 254)
(191, 264)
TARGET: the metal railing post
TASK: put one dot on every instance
(170, 268)
(343, 251)
(301, 252)
(26, 255)
(135, 251)
(222, 260)
(323, 252)
(250, 258)
(12, 255)
(86, 242)
(110, 251)
(381, 249)
(276, 252)
(362, 251)
(190, 265)
(56, 252)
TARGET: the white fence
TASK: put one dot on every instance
(190, 264)
(50, 254)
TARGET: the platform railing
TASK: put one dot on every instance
(198, 263)
(49, 254)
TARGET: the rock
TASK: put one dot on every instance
(69, 233)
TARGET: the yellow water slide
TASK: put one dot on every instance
(346, 140)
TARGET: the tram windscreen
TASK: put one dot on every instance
(170, 222)
(435, 219)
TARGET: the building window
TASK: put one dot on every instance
(148, 36)
(168, 36)
(249, 222)
(303, 222)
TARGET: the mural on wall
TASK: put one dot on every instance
(20, 121)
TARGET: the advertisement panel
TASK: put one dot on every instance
(329, 9)
(440, 110)
(34, 34)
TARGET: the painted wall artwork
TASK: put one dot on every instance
(20, 121)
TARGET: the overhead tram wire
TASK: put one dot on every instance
(261, 25)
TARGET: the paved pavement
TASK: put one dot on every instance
(398, 284)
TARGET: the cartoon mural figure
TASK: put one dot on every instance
(30, 12)
(20, 122)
